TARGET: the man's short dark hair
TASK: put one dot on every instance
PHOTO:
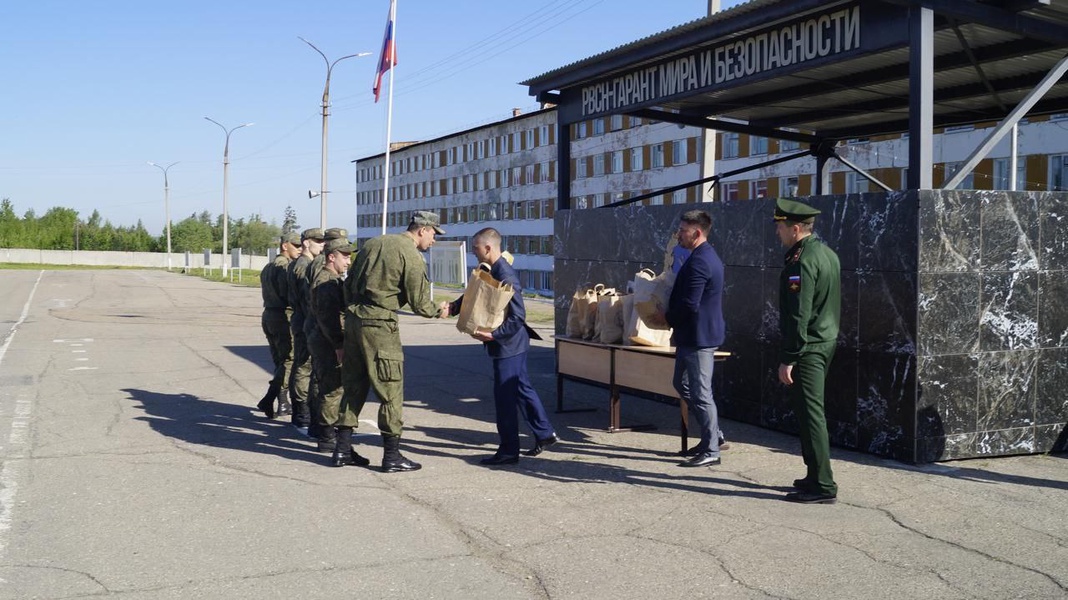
(488, 235)
(700, 218)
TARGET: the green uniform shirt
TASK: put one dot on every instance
(298, 290)
(273, 285)
(810, 297)
(328, 306)
(389, 272)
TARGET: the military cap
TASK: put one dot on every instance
(291, 238)
(792, 210)
(315, 233)
(341, 245)
(425, 218)
(337, 233)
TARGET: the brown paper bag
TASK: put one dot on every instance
(576, 313)
(485, 303)
(609, 319)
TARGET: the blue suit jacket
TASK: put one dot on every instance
(512, 337)
(695, 309)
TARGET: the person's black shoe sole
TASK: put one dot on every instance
(811, 498)
(541, 445)
(497, 459)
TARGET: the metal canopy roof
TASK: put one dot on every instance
(833, 69)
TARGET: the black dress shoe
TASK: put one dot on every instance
(701, 460)
(500, 459)
(804, 497)
(401, 465)
(694, 451)
(267, 406)
(541, 445)
(804, 484)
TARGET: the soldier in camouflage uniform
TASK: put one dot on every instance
(809, 314)
(388, 273)
(312, 241)
(327, 343)
(275, 323)
(315, 397)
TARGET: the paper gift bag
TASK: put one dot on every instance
(576, 314)
(609, 319)
(651, 301)
(638, 332)
(485, 303)
(589, 325)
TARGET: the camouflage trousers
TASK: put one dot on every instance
(374, 358)
(328, 375)
(300, 373)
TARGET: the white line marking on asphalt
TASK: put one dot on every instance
(17, 438)
(79, 351)
(62, 341)
(82, 369)
(81, 359)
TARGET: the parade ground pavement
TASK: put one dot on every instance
(134, 466)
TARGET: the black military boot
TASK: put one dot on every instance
(266, 403)
(284, 407)
(344, 454)
(392, 459)
(327, 439)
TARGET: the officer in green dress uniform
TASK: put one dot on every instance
(275, 323)
(312, 241)
(809, 315)
(388, 273)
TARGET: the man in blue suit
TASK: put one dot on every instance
(507, 346)
(695, 313)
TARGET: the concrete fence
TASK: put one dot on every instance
(157, 260)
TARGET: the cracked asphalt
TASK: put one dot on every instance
(133, 466)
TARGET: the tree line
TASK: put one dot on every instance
(63, 229)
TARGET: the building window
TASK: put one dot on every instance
(598, 165)
(635, 121)
(656, 158)
(580, 167)
(758, 145)
(856, 183)
(517, 141)
(530, 138)
(968, 183)
(730, 145)
(517, 175)
(728, 191)
(788, 186)
(544, 176)
(617, 122)
(758, 188)
(598, 127)
(617, 161)
(636, 159)
(678, 197)
(678, 152)
(529, 172)
(1058, 172)
(581, 130)
(544, 136)
(1001, 174)
(657, 200)
(789, 145)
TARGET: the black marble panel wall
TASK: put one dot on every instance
(954, 332)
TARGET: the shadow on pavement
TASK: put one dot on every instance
(194, 420)
(257, 355)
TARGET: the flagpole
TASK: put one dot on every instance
(389, 111)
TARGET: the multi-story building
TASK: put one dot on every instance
(504, 174)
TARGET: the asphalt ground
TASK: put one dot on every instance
(133, 466)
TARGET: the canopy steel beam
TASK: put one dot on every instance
(719, 125)
(994, 17)
(999, 132)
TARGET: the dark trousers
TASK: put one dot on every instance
(513, 394)
(806, 395)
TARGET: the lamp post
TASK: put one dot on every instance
(226, 176)
(326, 113)
(166, 206)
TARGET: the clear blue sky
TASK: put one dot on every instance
(93, 89)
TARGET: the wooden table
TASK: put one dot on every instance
(638, 370)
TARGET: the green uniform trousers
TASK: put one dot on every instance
(328, 374)
(300, 373)
(275, 324)
(374, 358)
(806, 396)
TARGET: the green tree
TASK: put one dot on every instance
(192, 235)
(289, 221)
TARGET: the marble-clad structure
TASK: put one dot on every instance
(955, 313)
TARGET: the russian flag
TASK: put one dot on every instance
(388, 58)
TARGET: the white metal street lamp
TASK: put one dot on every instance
(166, 206)
(326, 113)
(226, 176)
